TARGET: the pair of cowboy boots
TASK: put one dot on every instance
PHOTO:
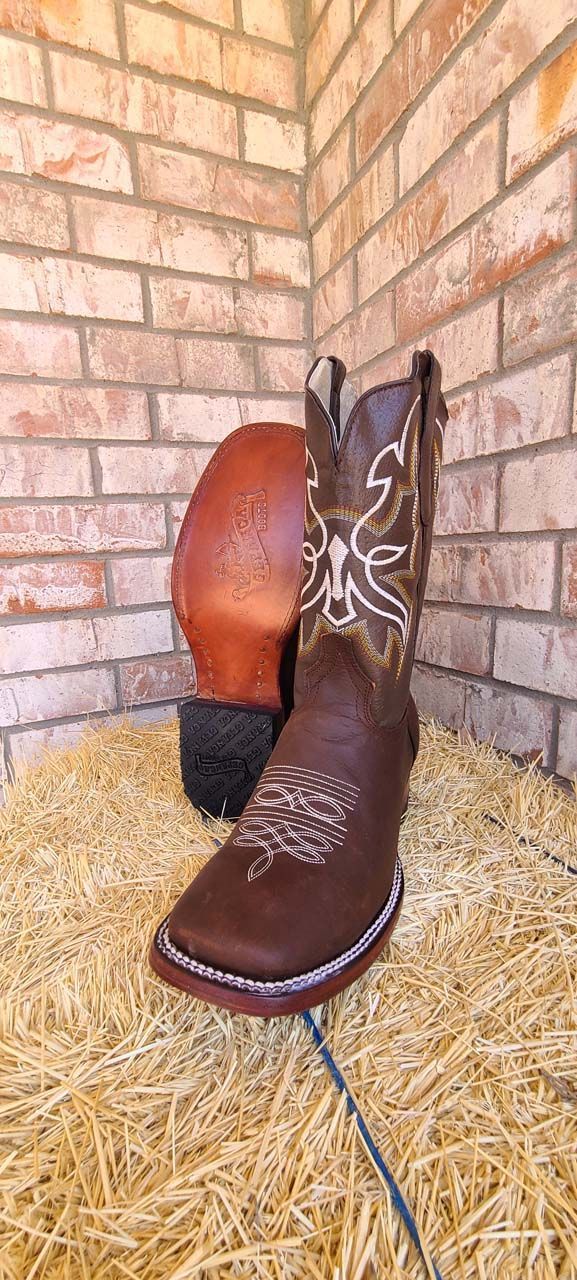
(304, 893)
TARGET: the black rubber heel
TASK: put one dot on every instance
(223, 751)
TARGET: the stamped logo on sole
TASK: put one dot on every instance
(210, 767)
(242, 558)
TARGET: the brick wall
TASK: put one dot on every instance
(154, 266)
(154, 273)
(441, 200)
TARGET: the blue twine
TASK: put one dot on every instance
(397, 1196)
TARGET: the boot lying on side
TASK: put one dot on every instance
(236, 580)
(308, 887)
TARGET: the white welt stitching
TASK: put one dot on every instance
(303, 980)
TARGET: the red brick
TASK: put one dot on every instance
(155, 679)
(477, 79)
(255, 409)
(523, 407)
(543, 114)
(107, 229)
(461, 641)
(512, 721)
(30, 216)
(47, 351)
(392, 364)
(187, 245)
(199, 183)
(374, 329)
(41, 471)
(363, 335)
(73, 641)
(219, 11)
(269, 315)
(255, 72)
(81, 25)
(385, 102)
(278, 143)
(32, 698)
(439, 694)
(468, 180)
(284, 368)
(21, 73)
(57, 287)
(81, 412)
(64, 152)
(127, 635)
(364, 205)
(269, 19)
(467, 501)
(522, 230)
(516, 575)
(537, 655)
(333, 299)
(141, 579)
(404, 11)
(12, 157)
(160, 469)
(541, 312)
(373, 39)
(526, 227)
(133, 102)
(28, 748)
(174, 47)
(213, 365)
(413, 64)
(280, 259)
(79, 528)
(47, 644)
(184, 416)
(315, 9)
(539, 492)
(330, 176)
(567, 750)
(112, 230)
(124, 356)
(38, 588)
(569, 581)
(326, 43)
(192, 304)
(466, 347)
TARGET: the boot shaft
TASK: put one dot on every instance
(372, 479)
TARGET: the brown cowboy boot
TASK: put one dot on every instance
(308, 887)
(236, 580)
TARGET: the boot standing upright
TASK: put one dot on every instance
(308, 887)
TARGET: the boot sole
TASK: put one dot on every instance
(236, 590)
(288, 995)
(223, 751)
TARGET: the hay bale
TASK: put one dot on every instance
(146, 1135)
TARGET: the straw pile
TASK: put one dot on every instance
(145, 1135)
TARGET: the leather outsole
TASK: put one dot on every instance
(236, 590)
(269, 999)
(237, 565)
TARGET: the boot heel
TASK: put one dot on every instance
(223, 751)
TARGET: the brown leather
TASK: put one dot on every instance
(387, 463)
(236, 570)
(313, 858)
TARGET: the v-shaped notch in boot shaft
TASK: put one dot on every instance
(329, 388)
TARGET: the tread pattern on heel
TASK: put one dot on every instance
(223, 751)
